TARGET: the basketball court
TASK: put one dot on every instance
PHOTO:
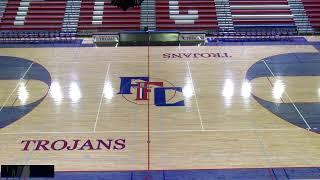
(161, 107)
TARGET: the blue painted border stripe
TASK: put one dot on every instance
(236, 174)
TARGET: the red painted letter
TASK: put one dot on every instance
(87, 143)
(120, 143)
(53, 145)
(74, 146)
(42, 144)
(104, 144)
(27, 144)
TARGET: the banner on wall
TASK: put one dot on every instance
(192, 37)
(112, 38)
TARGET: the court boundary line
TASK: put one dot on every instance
(101, 98)
(289, 98)
(195, 95)
(155, 131)
(199, 169)
(23, 76)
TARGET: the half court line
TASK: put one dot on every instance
(25, 73)
(285, 92)
(149, 122)
(101, 98)
(195, 95)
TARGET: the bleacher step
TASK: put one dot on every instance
(71, 16)
(224, 16)
(300, 16)
(147, 14)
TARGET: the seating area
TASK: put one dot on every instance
(100, 15)
(28, 15)
(186, 15)
(261, 13)
(312, 8)
(266, 17)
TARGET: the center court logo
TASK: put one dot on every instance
(139, 90)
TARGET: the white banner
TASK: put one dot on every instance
(196, 37)
(106, 38)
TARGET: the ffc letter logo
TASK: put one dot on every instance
(143, 87)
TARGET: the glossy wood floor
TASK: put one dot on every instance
(220, 125)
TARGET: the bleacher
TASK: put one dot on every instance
(186, 15)
(312, 8)
(25, 15)
(54, 18)
(33, 21)
(102, 16)
(262, 16)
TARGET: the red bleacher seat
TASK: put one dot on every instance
(312, 8)
(186, 15)
(261, 12)
(112, 18)
(35, 15)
